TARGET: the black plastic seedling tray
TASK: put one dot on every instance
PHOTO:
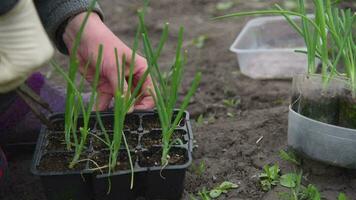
(150, 181)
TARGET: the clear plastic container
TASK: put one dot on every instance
(315, 99)
(324, 142)
(314, 123)
(266, 46)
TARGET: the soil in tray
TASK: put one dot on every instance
(59, 162)
(155, 138)
(150, 122)
(58, 124)
(347, 115)
(101, 158)
(319, 106)
(152, 157)
(56, 142)
(132, 122)
(132, 140)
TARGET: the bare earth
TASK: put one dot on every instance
(227, 143)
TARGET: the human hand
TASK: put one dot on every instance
(96, 33)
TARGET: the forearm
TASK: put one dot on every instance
(55, 15)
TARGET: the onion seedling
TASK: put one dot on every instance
(74, 100)
(124, 101)
(166, 90)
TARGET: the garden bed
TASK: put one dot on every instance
(227, 145)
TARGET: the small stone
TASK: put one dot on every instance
(214, 177)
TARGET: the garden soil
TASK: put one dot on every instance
(234, 142)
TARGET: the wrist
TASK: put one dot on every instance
(74, 24)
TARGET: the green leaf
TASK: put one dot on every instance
(266, 185)
(200, 41)
(224, 5)
(226, 185)
(275, 182)
(273, 172)
(263, 175)
(312, 192)
(288, 180)
(204, 194)
(342, 196)
(200, 120)
(231, 102)
(289, 156)
(215, 193)
(229, 114)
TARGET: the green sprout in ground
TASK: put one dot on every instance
(166, 91)
(269, 177)
(216, 192)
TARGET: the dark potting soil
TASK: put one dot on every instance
(57, 125)
(132, 140)
(347, 115)
(150, 122)
(56, 142)
(155, 138)
(132, 122)
(55, 162)
(152, 157)
(101, 158)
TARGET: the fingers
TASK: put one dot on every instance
(146, 101)
(105, 95)
(103, 101)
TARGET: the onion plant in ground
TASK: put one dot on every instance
(166, 90)
(327, 35)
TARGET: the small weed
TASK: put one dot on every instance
(342, 196)
(269, 177)
(223, 188)
(311, 192)
(231, 102)
(200, 120)
(203, 194)
(200, 168)
(278, 101)
(199, 42)
(205, 120)
(289, 180)
(289, 156)
(297, 190)
(224, 5)
(211, 119)
(229, 114)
